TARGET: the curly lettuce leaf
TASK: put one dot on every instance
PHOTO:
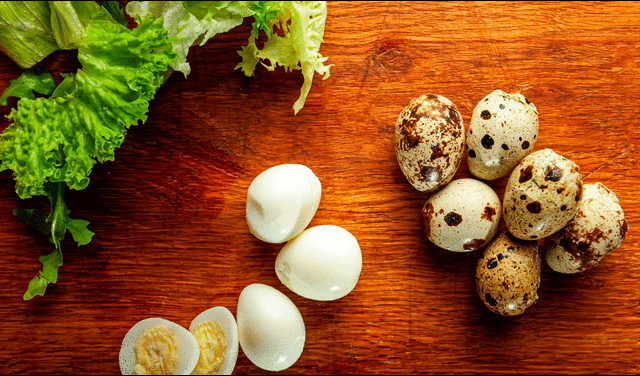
(302, 24)
(59, 139)
(31, 80)
(192, 22)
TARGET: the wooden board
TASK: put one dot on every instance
(169, 213)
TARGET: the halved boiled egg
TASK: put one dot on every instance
(156, 346)
(217, 334)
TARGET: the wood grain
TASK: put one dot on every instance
(171, 238)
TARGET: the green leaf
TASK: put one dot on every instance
(50, 265)
(79, 231)
(113, 7)
(31, 80)
(37, 286)
(48, 274)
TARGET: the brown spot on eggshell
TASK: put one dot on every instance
(473, 244)
(486, 115)
(471, 153)
(534, 207)
(488, 213)
(453, 219)
(526, 174)
(487, 141)
(553, 174)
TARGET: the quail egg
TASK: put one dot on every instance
(598, 228)
(322, 263)
(156, 346)
(270, 327)
(508, 274)
(281, 201)
(503, 130)
(463, 216)
(429, 141)
(217, 334)
(542, 195)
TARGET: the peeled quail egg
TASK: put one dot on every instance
(281, 201)
(503, 130)
(598, 228)
(322, 263)
(429, 141)
(508, 274)
(463, 216)
(217, 334)
(270, 327)
(542, 195)
(156, 346)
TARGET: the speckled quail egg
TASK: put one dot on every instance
(270, 328)
(156, 346)
(216, 331)
(542, 195)
(463, 216)
(508, 274)
(429, 141)
(503, 130)
(322, 263)
(281, 201)
(598, 227)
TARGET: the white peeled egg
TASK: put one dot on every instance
(281, 201)
(322, 263)
(270, 327)
(187, 346)
(208, 340)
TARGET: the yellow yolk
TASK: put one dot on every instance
(156, 352)
(213, 346)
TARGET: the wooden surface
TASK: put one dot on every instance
(171, 238)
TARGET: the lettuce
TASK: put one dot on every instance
(59, 139)
(298, 49)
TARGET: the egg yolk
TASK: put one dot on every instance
(156, 352)
(213, 346)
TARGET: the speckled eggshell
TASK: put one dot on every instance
(503, 130)
(463, 216)
(429, 141)
(598, 228)
(508, 274)
(542, 195)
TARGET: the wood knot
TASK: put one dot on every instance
(389, 57)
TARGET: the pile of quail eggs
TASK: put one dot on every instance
(320, 263)
(545, 200)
